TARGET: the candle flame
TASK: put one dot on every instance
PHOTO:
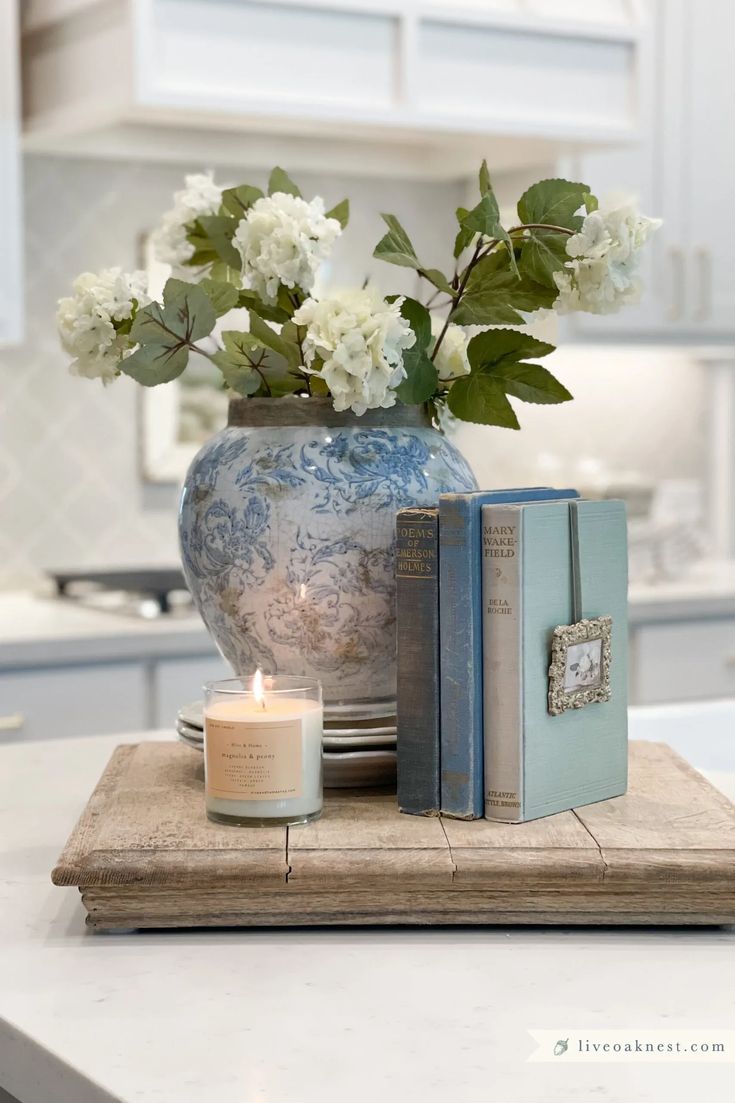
(258, 693)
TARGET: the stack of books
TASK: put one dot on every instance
(512, 654)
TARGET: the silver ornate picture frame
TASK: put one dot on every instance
(579, 673)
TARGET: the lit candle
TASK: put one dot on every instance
(263, 750)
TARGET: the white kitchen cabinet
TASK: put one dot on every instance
(63, 701)
(68, 701)
(11, 267)
(681, 169)
(415, 87)
(682, 661)
(177, 682)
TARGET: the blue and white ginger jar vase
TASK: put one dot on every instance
(287, 528)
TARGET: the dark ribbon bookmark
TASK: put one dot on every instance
(575, 560)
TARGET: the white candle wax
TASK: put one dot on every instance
(263, 760)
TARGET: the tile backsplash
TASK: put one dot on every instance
(71, 492)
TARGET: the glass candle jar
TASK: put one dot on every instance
(263, 750)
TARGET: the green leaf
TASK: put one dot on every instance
(421, 379)
(217, 231)
(421, 375)
(485, 185)
(154, 364)
(438, 279)
(531, 383)
(223, 296)
(543, 253)
(555, 202)
(166, 331)
(280, 181)
(481, 399)
(281, 385)
(503, 346)
(238, 201)
(493, 295)
(419, 319)
(485, 217)
(341, 212)
(465, 236)
(234, 362)
(252, 302)
(497, 360)
(481, 311)
(396, 247)
(186, 315)
(274, 341)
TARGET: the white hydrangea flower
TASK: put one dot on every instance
(199, 196)
(89, 320)
(361, 339)
(282, 240)
(602, 275)
(451, 360)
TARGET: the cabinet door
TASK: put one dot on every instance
(63, 702)
(11, 275)
(650, 170)
(709, 167)
(178, 682)
(688, 661)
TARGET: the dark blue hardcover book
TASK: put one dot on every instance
(460, 614)
(417, 649)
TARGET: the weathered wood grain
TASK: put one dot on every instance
(363, 838)
(213, 908)
(144, 855)
(548, 851)
(155, 831)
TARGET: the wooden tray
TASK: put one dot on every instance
(144, 855)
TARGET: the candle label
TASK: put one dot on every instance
(246, 760)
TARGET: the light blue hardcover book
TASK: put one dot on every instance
(460, 627)
(555, 696)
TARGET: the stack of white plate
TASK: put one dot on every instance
(359, 741)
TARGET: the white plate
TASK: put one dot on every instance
(355, 715)
(195, 734)
(361, 741)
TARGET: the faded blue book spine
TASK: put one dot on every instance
(417, 647)
(460, 608)
(461, 661)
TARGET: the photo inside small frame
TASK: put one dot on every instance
(583, 668)
(579, 672)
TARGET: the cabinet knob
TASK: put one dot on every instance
(13, 722)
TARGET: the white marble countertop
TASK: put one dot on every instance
(33, 629)
(317, 1016)
(37, 630)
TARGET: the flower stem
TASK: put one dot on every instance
(482, 248)
(458, 299)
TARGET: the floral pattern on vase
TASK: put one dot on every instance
(287, 535)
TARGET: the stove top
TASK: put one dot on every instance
(149, 592)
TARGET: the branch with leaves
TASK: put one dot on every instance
(239, 248)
